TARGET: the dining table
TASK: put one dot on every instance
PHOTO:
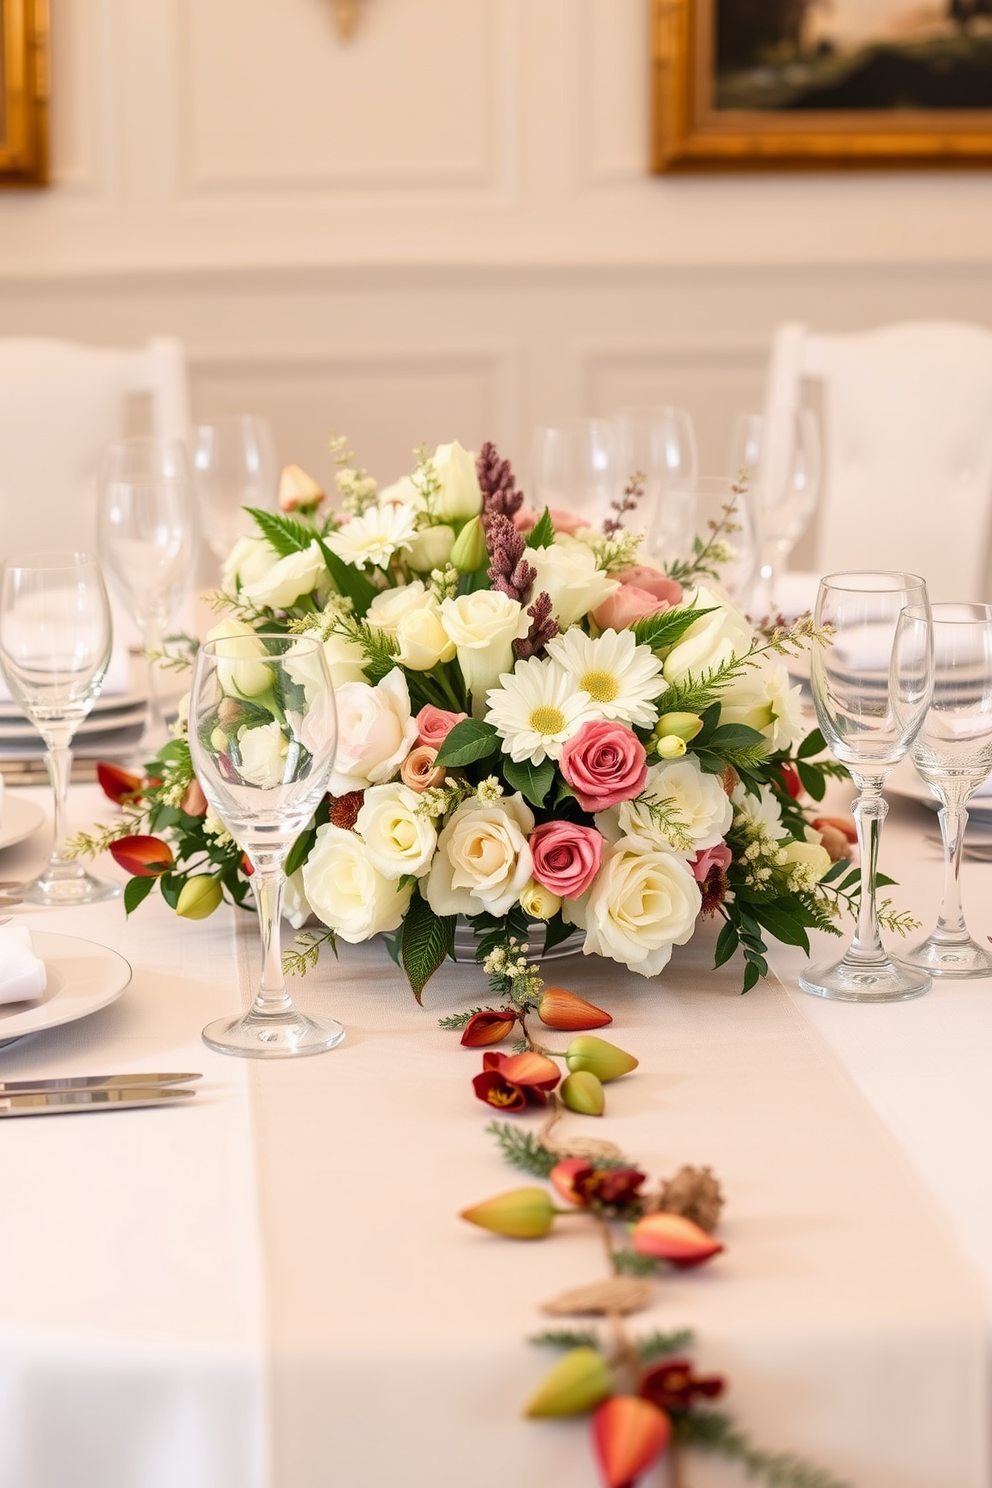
(269, 1285)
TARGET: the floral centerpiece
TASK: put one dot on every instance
(540, 730)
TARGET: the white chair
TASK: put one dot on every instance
(907, 435)
(60, 405)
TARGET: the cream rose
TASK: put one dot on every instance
(400, 839)
(249, 560)
(375, 733)
(238, 671)
(345, 660)
(483, 627)
(430, 548)
(282, 585)
(264, 752)
(347, 891)
(482, 860)
(539, 902)
(809, 861)
(392, 605)
(422, 640)
(711, 640)
(642, 902)
(763, 699)
(698, 801)
(460, 495)
(570, 576)
(295, 907)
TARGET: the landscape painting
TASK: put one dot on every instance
(828, 83)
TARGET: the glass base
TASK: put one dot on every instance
(853, 979)
(273, 1035)
(66, 884)
(950, 958)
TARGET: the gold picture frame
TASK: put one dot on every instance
(23, 92)
(704, 118)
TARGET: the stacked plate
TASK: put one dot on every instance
(112, 729)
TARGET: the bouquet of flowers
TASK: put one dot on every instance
(539, 729)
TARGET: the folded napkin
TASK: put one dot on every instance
(22, 974)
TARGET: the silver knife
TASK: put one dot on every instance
(92, 1082)
(67, 1102)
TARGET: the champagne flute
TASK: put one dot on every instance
(148, 537)
(785, 476)
(660, 445)
(718, 509)
(953, 754)
(235, 465)
(574, 471)
(262, 735)
(871, 686)
(55, 639)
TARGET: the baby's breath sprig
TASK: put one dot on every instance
(511, 974)
(92, 844)
(425, 479)
(356, 488)
(444, 582)
(617, 551)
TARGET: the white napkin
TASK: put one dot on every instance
(22, 974)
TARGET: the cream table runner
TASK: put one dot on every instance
(131, 1344)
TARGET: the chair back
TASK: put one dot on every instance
(907, 435)
(60, 405)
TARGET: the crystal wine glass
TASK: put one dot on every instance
(235, 464)
(871, 686)
(660, 445)
(262, 735)
(722, 511)
(148, 537)
(575, 469)
(55, 639)
(785, 476)
(953, 754)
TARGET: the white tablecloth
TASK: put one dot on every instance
(271, 1287)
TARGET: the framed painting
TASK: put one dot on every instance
(23, 92)
(760, 84)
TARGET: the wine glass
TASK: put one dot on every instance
(660, 445)
(574, 471)
(55, 639)
(953, 754)
(262, 735)
(722, 512)
(148, 536)
(235, 467)
(785, 476)
(871, 686)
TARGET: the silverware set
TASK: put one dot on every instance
(80, 1093)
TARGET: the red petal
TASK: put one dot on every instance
(144, 857)
(487, 1028)
(495, 1091)
(564, 1174)
(673, 1238)
(561, 1009)
(791, 781)
(120, 785)
(628, 1435)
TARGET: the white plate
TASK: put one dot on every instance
(82, 978)
(904, 781)
(106, 703)
(20, 819)
(20, 730)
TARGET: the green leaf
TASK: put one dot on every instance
(172, 886)
(349, 581)
(726, 944)
(534, 781)
(427, 940)
(564, 791)
(555, 932)
(286, 534)
(781, 924)
(812, 779)
(542, 534)
(752, 976)
(735, 736)
(472, 739)
(136, 891)
(661, 631)
(300, 850)
(814, 743)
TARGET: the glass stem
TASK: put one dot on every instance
(59, 762)
(869, 812)
(155, 728)
(950, 921)
(269, 882)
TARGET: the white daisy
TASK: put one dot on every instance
(375, 536)
(537, 709)
(621, 677)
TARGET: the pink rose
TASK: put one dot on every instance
(434, 725)
(625, 606)
(654, 581)
(565, 521)
(566, 857)
(419, 771)
(605, 764)
(704, 862)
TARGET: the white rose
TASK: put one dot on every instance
(538, 902)
(401, 493)
(400, 839)
(483, 627)
(282, 585)
(295, 907)
(238, 673)
(460, 495)
(250, 559)
(698, 801)
(483, 861)
(812, 861)
(573, 581)
(345, 660)
(263, 752)
(763, 699)
(348, 893)
(375, 733)
(761, 812)
(388, 608)
(710, 641)
(641, 903)
(430, 548)
(422, 640)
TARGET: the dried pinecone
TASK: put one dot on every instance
(695, 1194)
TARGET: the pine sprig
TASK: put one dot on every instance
(566, 1338)
(460, 1020)
(631, 1262)
(713, 1431)
(522, 1150)
(284, 533)
(664, 1345)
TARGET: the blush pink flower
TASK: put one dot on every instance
(654, 581)
(564, 521)
(704, 862)
(435, 724)
(419, 771)
(605, 764)
(625, 606)
(566, 857)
